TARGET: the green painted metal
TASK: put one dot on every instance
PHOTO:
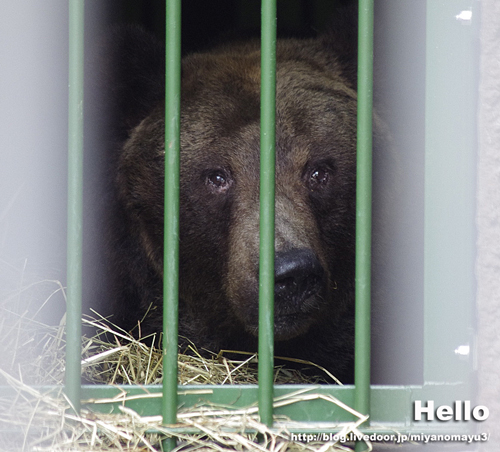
(449, 240)
(363, 208)
(392, 406)
(171, 238)
(75, 204)
(450, 166)
(267, 189)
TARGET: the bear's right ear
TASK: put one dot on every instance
(128, 72)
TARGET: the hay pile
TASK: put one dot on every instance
(43, 422)
(113, 356)
(37, 419)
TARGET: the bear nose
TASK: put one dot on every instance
(298, 275)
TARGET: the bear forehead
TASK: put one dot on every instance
(233, 71)
(220, 110)
(221, 99)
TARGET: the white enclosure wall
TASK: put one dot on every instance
(488, 222)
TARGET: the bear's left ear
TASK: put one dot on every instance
(341, 39)
(128, 71)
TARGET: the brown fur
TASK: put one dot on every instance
(219, 198)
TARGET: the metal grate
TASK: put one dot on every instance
(447, 373)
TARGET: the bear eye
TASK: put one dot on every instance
(218, 181)
(318, 178)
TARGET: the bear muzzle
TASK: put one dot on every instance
(299, 292)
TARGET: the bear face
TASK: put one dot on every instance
(219, 200)
(219, 195)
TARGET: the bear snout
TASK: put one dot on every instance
(299, 291)
(298, 275)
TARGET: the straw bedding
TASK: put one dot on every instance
(36, 417)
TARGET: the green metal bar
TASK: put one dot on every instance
(392, 406)
(363, 209)
(267, 188)
(171, 239)
(450, 188)
(75, 204)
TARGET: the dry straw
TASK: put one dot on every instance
(36, 417)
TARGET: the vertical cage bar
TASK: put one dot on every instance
(171, 219)
(267, 188)
(363, 208)
(75, 204)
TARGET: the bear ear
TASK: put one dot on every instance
(341, 39)
(128, 71)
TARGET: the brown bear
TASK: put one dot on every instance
(219, 194)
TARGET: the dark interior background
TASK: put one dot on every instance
(205, 22)
(397, 350)
(35, 197)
